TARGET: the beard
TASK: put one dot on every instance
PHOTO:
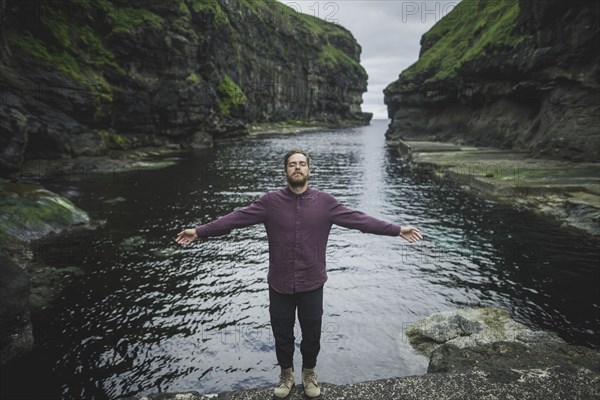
(297, 180)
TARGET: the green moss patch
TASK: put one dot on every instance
(333, 58)
(209, 7)
(28, 212)
(74, 47)
(472, 29)
(67, 63)
(193, 78)
(230, 94)
(129, 19)
(111, 140)
(183, 9)
(67, 42)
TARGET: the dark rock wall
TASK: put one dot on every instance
(80, 77)
(16, 337)
(530, 82)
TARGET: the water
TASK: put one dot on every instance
(154, 316)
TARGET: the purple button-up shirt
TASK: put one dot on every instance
(297, 227)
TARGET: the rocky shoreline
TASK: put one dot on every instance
(300, 127)
(474, 354)
(564, 192)
(33, 219)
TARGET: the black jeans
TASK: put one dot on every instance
(282, 308)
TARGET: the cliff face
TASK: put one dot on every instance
(81, 76)
(513, 74)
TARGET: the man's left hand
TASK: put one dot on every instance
(410, 233)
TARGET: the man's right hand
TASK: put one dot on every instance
(186, 236)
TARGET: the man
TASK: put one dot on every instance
(298, 219)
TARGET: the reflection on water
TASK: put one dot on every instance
(152, 316)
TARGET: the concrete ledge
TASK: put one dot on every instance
(566, 192)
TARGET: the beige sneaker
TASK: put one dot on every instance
(286, 383)
(309, 381)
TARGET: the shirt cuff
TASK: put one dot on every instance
(201, 231)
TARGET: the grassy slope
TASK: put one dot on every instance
(323, 32)
(68, 42)
(473, 29)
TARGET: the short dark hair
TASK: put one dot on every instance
(291, 153)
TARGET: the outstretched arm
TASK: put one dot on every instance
(255, 213)
(348, 218)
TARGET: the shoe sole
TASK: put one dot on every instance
(313, 397)
(288, 395)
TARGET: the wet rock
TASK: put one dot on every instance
(471, 328)
(507, 356)
(118, 199)
(29, 212)
(16, 336)
(29, 216)
(132, 243)
(47, 283)
(166, 252)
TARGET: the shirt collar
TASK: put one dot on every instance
(306, 193)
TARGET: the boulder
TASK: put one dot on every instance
(471, 328)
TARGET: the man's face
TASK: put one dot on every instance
(297, 171)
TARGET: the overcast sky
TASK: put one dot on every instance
(389, 33)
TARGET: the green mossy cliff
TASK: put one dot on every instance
(515, 74)
(80, 77)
